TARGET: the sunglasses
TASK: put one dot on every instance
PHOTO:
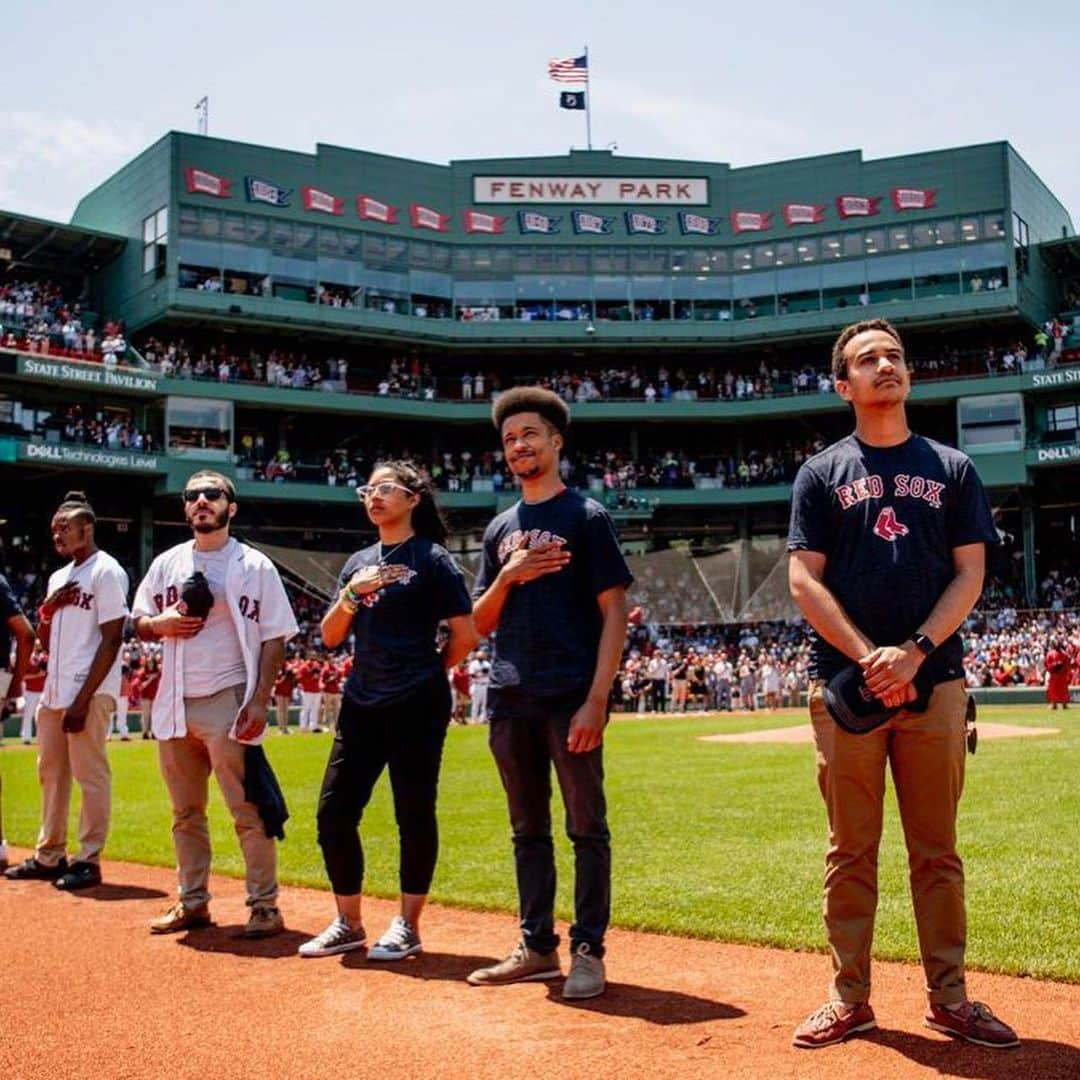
(384, 489)
(211, 494)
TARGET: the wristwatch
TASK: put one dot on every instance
(923, 644)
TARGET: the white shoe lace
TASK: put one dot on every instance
(399, 936)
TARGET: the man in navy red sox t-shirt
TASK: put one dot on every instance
(552, 592)
(888, 549)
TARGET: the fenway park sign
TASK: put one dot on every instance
(652, 190)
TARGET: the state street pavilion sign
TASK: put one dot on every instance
(89, 374)
(648, 190)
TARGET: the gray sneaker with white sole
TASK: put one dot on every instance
(338, 937)
(399, 941)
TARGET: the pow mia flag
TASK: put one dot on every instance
(572, 99)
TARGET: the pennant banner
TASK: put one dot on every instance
(906, 198)
(423, 217)
(645, 223)
(750, 221)
(584, 222)
(201, 182)
(699, 224)
(322, 201)
(477, 222)
(265, 192)
(803, 213)
(572, 99)
(529, 221)
(857, 205)
(372, 210)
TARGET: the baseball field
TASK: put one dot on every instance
(721, 841)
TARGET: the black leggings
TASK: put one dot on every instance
(407, 734)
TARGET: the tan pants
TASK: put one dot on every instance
(281, 704)
(926, 755)
(186, 765)
(331, 706)
(79, 755)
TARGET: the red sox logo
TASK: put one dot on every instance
(887, 527)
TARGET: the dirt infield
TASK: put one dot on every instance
(804, 733)
(87, 992)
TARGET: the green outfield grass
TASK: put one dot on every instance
(710, 840)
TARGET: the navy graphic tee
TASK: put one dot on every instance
(9, 608)
(394, 629)
(887, 520)
(549, 630)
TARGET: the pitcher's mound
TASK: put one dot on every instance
(803, 733)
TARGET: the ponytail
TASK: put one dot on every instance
(427, 519)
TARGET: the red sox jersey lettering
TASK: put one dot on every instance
(532, 537)
(904, 486)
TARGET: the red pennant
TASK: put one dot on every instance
(803, 213)
(750, 221)
(201, 182)
(373, 210)
(478, 222)
(423, 217)
(322, 201)
(906, 198)
(857, 205)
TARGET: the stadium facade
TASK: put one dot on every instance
(523, 267)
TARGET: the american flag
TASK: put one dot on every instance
(574, 69)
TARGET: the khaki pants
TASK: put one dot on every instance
(80, 755)
(331, 706)
(186, 765)
(926, 754)
(281, 704)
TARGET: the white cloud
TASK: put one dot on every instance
(48, 161)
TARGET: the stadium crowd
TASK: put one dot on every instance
(36, 316)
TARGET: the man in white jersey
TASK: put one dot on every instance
(81, 626)
(222, 614)
(479, 677)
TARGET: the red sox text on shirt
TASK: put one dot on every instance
(904, 486)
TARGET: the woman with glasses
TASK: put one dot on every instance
(396, 701)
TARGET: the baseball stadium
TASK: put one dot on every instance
(288, 321)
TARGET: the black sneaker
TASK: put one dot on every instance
(32, 870)
(81, 875)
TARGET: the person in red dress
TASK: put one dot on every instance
(1058, 670)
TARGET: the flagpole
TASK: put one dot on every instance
(588, 100)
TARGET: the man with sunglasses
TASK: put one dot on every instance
(223, 616)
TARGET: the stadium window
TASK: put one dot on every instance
(646, 261)
(502, 261)
(923, 234)
(852, 244)
(440, 256)
(155, 242)
(234, 228)
(281, 236)
(680, 261)
(210, 224)
(946, 231)
(764, 255)
(830, 247)
(969, 229)
(329, 241)
(1063, 418)
(523, 259)
(258, 231)
(189, 221)
(899, 238)
(304, 241)
(874, 241)
(351, 245)
(785, 253)
(742, 259)
(993, 225)
(808, 249)
(544, 260)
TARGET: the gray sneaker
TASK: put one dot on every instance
(399, 941)
(586, 978)
(338, 937)
(522, 965)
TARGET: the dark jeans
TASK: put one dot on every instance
(407, 735)
(526, 736)
(657, 694)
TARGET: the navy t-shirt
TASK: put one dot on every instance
(394, 628)
(9, 608)
(887, 520)
(549, 629)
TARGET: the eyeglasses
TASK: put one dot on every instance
(384, 489)
(211, 494)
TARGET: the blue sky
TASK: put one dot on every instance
(86, 86)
